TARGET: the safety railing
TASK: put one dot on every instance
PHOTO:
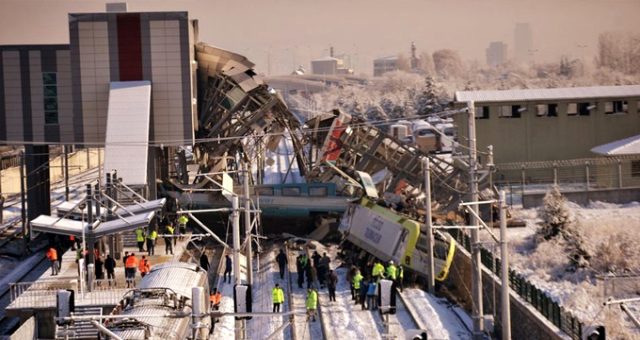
(42, 294)
(539, 299)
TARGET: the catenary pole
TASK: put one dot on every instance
(426, 163)
(235, 217)
(504, 270)
(247, 224)
(476, 269)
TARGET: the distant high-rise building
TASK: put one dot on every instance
(523, 43)
(496, 53)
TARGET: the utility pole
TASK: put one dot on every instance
(476, 264)
(247, 225)
(235, 216)
(23, 208)
(66, 172)
(504, 270)
(90, 241)
(429, 225)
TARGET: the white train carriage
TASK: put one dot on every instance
(165, 290)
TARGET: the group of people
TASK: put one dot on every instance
(364, 290)
(133, 265)
(170, 235)
(317, 269)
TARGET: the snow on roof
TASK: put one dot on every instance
(627, 146)
(326, 59)
(548, 94)
(391, 57)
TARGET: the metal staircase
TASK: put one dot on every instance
(80, 329)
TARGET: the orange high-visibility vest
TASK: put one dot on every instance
(52, 254)
(132, 262)
(215, 298)
(144, 267)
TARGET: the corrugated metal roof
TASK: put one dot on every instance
(627, 146)
(548, 94)
(127, 140)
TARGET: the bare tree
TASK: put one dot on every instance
(619, 51)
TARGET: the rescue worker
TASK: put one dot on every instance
(277, 295)
(151, 242)
(391, 271)
(228, 265)
(168, 243)
(378, 271)
(311, 303)
(52, 255)
(72, 240)
(350, 274)
(130, 270)
(144, 267)
(110, 266)
(182, 225)
(140, 238)
(214, 299)
(282, 263)
(356, 281)
(301, 267)
(400, 280)
(124, 259)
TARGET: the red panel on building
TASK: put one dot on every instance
(129, 46)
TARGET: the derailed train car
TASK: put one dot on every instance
(165, 290)
(390, 236)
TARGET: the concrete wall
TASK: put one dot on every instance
(619, 196)
(22, 93)
(526, 322)
(26, 331)
(539, 138)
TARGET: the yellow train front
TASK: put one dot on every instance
(388, 235)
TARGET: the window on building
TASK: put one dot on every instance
(635, 168)
(317, 191)
(552, 110)
(620, 106)
(584, 108)
(291, 191)
(50, 84)
(506, 111)
(482, 112)
(572, 109)
(516, 110)
(264, 191)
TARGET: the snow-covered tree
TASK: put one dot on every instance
(558, 224)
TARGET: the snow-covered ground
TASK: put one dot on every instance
(265, 279)
(436, 315)
(611, 233)
(303, 328)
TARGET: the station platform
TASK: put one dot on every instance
(40, 295)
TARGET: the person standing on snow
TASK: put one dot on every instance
(277, 294)
(332, 282)
(228, 267)
(282, 263)
(311, 303)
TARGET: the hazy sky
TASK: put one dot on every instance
(281, 34)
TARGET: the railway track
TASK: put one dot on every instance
(302, 329)
(36, 265)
